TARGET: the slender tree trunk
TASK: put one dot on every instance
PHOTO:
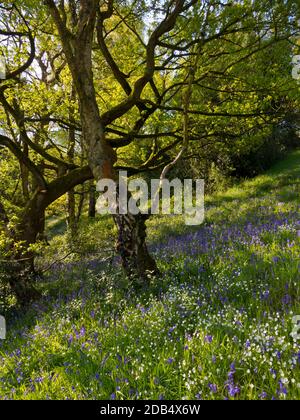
(92, 200)
(80, 204)
(71, 201)
(71, 217)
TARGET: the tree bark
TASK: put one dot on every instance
(25, 175)
(71, 217)
(131, 245)
(80, 204)
(92, 201)
(71, 202)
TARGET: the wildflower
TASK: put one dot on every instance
(232, 367)
(132, 392)
(286, 300)
(265, 295)
(263, 395)
(213, 388)
(171, 330)
(282, 389)
(233, 390)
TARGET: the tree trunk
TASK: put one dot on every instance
(137, 262)
(92, 201)
(131, 245)
(71, 217)
(101, 156)
(80, 204)
(71, 202)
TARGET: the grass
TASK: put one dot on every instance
(216, 325)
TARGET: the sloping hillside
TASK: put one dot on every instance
(217, 324)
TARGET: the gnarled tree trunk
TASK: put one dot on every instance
(131, 245)
(101, 156)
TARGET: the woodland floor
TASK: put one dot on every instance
(215, 325)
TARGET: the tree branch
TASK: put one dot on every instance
(15, 149)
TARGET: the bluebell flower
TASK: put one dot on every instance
(263, 395)
(213, 388)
